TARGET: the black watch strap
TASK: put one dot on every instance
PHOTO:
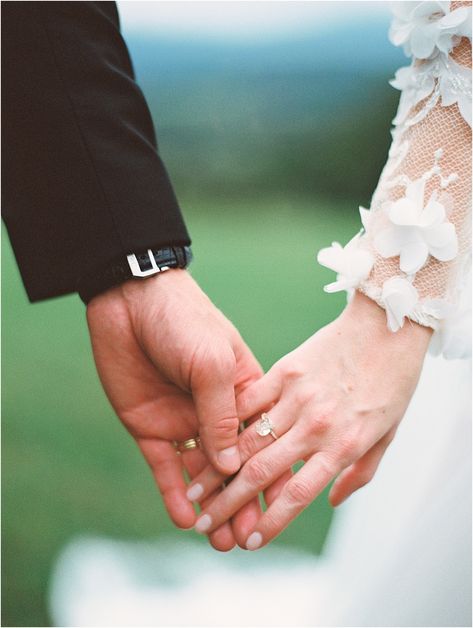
(150, 262)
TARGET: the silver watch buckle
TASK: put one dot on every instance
(136, 269)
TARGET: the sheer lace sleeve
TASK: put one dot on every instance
(413, 254)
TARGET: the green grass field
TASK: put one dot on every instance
(69, 467)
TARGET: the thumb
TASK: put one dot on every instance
(213, 390)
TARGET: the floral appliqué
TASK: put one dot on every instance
(429, 31)
(417, 230)
(400, 299)
(416, 225)
(427, 28)
(351, 264)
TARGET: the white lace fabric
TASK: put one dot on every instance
(413, 255)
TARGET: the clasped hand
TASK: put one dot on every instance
(173, 367)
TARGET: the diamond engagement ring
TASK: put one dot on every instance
(265, 427)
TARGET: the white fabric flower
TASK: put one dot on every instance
(351, 264)
(455, 87)
(417, 82)
(428, 27)
(400, 298)
(417, 231)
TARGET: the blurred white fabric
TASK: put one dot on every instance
(100, 582)
(402, 547)
(398, 553)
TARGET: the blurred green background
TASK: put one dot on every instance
(271, 146)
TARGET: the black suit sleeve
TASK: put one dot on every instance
(83, 184)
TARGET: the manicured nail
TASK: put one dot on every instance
(194, 492)
(203, 524)
(254, 541)
(230, 458)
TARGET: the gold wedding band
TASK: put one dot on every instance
(264, 426)
(186, 445)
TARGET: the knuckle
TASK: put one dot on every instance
(225, 426)
(223, 360)
(303, 394)
(347, 447)
(137, 426)
(298, 493)
(246, 400)
(320, 423)
(256, 473)
(213, 359)
(289, 370)
(227, 365)
(247, 445)
(328, 468)
(129, 421)
(273, 522)
(364, 477)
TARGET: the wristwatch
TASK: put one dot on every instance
(150, 262)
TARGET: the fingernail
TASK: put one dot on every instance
(194, 492)
(203, 524)
(230, 458)
(254, 540)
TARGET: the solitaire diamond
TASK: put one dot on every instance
(264, 425)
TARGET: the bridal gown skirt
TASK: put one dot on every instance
(398, 552)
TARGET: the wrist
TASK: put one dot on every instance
(159, 285)
(138, 267)
(366, 315)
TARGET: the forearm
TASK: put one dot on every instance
(413, 254)
(438, 153)
(83, 183)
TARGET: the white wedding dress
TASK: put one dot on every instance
(399, 550)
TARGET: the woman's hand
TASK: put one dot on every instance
(335, 403)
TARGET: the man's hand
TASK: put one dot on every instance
(171, 365)
(335, 403)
